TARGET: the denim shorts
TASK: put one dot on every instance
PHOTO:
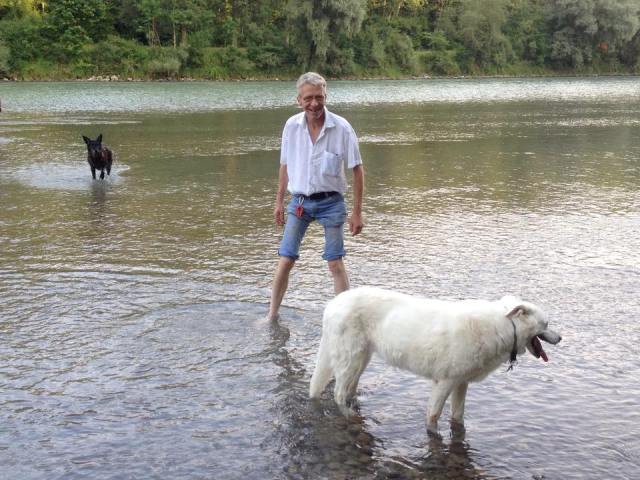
(330, 212)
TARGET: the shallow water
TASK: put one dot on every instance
(129, 343)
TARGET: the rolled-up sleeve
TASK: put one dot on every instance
(352, 149)
(284, 145)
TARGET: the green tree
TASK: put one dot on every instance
(526, 30)
(24, 40)
(88, 18)
(5, 58)
(226, 38)
(184, 16)
(478, 25)
(630, 54)
(320, 28)
(151, 13)
(127, 20)
(584, 28)
(70, 24)
(394, 8)
(13, 9)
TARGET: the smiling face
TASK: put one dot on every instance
(312, 99)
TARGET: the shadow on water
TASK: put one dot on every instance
(99, 216)
(449, 460)
(99, 194)
(314, 440)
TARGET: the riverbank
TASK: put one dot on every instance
(267, 78)
(226, 64)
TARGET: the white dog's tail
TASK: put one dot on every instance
(323, 372)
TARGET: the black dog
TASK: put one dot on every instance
(99, 157)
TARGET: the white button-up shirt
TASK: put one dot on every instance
(318, 167)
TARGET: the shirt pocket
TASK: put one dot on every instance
(331, 164)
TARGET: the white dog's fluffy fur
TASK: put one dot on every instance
(450, 342)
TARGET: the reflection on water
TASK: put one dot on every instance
(162, 97)
(129, 335)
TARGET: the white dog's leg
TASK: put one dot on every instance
(348, 370)
(458, 396)
(439, 393)
(359, 363)
(323, 371)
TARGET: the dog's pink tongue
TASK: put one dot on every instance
(538, 348)
(544, 355)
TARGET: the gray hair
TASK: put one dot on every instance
(312, 78)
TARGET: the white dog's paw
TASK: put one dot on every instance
(432, 425)
(458, 432)
(347, 411)
(433, 433)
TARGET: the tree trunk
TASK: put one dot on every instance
(175, 40)
(183, 35)
(154, 38)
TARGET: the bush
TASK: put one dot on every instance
(166, 68)
(166, 62)
(215, 72)
(339, 61)
(195, 57)
(267, 57)
(82, 68)
(69, 45)
(236, 62)
(115, 55)
(212, 68)
(40, 69)
(441, 62)
(23, 39)
(400, 48)
(369, 48)
(196, 46)
(434, 41)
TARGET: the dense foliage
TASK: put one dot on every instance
(217, 39)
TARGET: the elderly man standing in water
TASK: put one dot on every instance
(316, 147)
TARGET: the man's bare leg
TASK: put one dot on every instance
(279, 287)
(339, 274)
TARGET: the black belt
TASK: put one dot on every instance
(318, 195)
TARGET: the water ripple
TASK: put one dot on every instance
(131, 341)
(205, 96)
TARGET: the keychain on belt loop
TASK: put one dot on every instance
(299, 207)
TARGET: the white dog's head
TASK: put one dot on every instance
(532, 326)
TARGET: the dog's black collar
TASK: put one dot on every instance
(514, 350)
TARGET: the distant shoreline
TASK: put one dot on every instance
(117, 79)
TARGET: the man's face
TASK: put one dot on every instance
(311, 98)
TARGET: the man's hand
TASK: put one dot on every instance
(278, 210)
(355, 224)
(278, 214)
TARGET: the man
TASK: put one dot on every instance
(316, 147)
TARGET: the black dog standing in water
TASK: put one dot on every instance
(99, 157)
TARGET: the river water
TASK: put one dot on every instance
(130, 345)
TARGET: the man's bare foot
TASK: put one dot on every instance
(269, 319)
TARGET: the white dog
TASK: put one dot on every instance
(452, 343)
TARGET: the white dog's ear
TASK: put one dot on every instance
(517, 311)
